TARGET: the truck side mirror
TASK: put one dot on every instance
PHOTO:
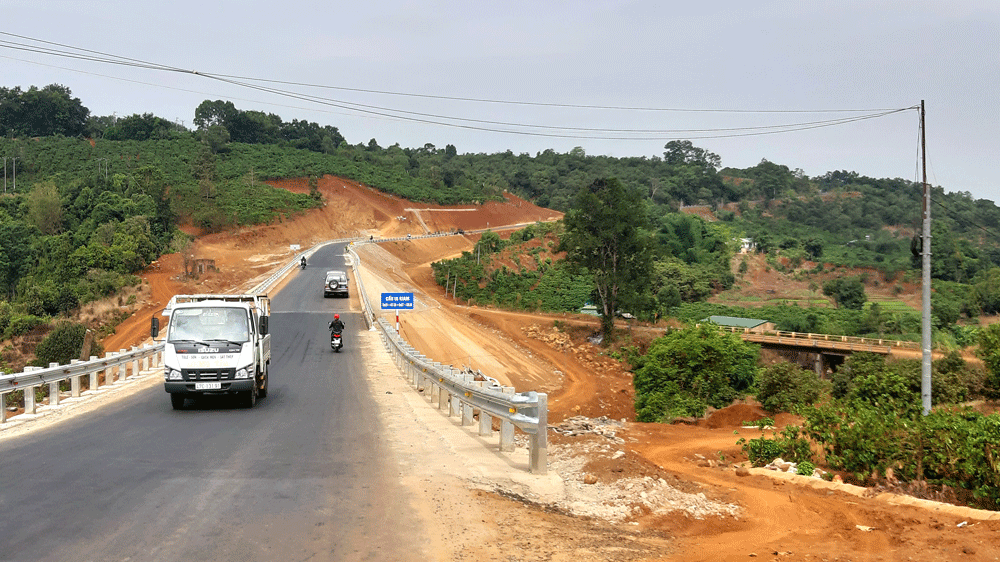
(263, 325)
(154, 326)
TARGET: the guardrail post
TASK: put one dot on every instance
(468, 416)
(443, 398)
(93, 376)
(74, 382)
(29, 395)
(539, 452)
(485, 424)
(507, 428)
(3, 407)
(135, 364)
(109, 373)
(506, 436)
(54, 389)
(122, 367)
(456, 406)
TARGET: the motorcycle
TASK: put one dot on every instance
(336, 341)
(302, 264)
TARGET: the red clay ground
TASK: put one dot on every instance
(781, 520)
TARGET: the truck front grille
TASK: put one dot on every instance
(209, 374)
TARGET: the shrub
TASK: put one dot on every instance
(784, 386)
(791, 444)
(698, 363)
(61, 345)
(666, 404)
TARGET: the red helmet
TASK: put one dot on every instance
(336, 317)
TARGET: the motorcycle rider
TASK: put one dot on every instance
(302, 262)
(336, 326)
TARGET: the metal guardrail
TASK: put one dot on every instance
(113, 363)
(462, 395)
(459, 391)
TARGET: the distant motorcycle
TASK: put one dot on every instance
(302, 264)
(336, 341)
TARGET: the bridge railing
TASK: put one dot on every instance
(874, 342)
(466, 394)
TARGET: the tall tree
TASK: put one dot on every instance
(604, 235)
(51, 110)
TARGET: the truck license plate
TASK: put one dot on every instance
(208, 386)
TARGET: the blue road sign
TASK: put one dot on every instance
(397, 301)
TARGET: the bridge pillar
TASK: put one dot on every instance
(819, 365)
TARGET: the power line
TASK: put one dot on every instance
(527, 129)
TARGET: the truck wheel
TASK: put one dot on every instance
(250, 398)
(177, 401)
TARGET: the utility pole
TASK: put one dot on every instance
(5, 175)
(925, 327)
(105, 168)
(13, 159)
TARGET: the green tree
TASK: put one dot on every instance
(989, 352)
(604, 236)
(690, 368)
(783, 386)
(62, 344)
(44, 208)
(847, 292)
(42, 112)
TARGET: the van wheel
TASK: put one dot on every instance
(177, 401)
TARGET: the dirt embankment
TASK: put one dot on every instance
(778, 519)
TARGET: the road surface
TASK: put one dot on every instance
(305, 475)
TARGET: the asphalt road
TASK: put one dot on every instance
(304, 475)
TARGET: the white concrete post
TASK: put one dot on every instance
(29, 395)
(93, 376)
(485, 424)
(74, 382)
(53, 389)
(506, 436)
(507, 428)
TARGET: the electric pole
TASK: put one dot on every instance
(13, 159)
(925, 328)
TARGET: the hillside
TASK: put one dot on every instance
(781, 518)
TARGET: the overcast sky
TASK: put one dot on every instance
(711, 72)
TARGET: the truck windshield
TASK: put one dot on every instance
(208, 324)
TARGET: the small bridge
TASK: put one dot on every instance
(828, 350)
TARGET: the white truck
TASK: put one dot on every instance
(216, 344)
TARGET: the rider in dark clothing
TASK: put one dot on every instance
(302, 262)
(336, 325)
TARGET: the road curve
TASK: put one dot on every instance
(305, 475)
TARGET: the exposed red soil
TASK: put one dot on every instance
(781, 519)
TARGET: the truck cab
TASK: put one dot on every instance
(216, 345)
